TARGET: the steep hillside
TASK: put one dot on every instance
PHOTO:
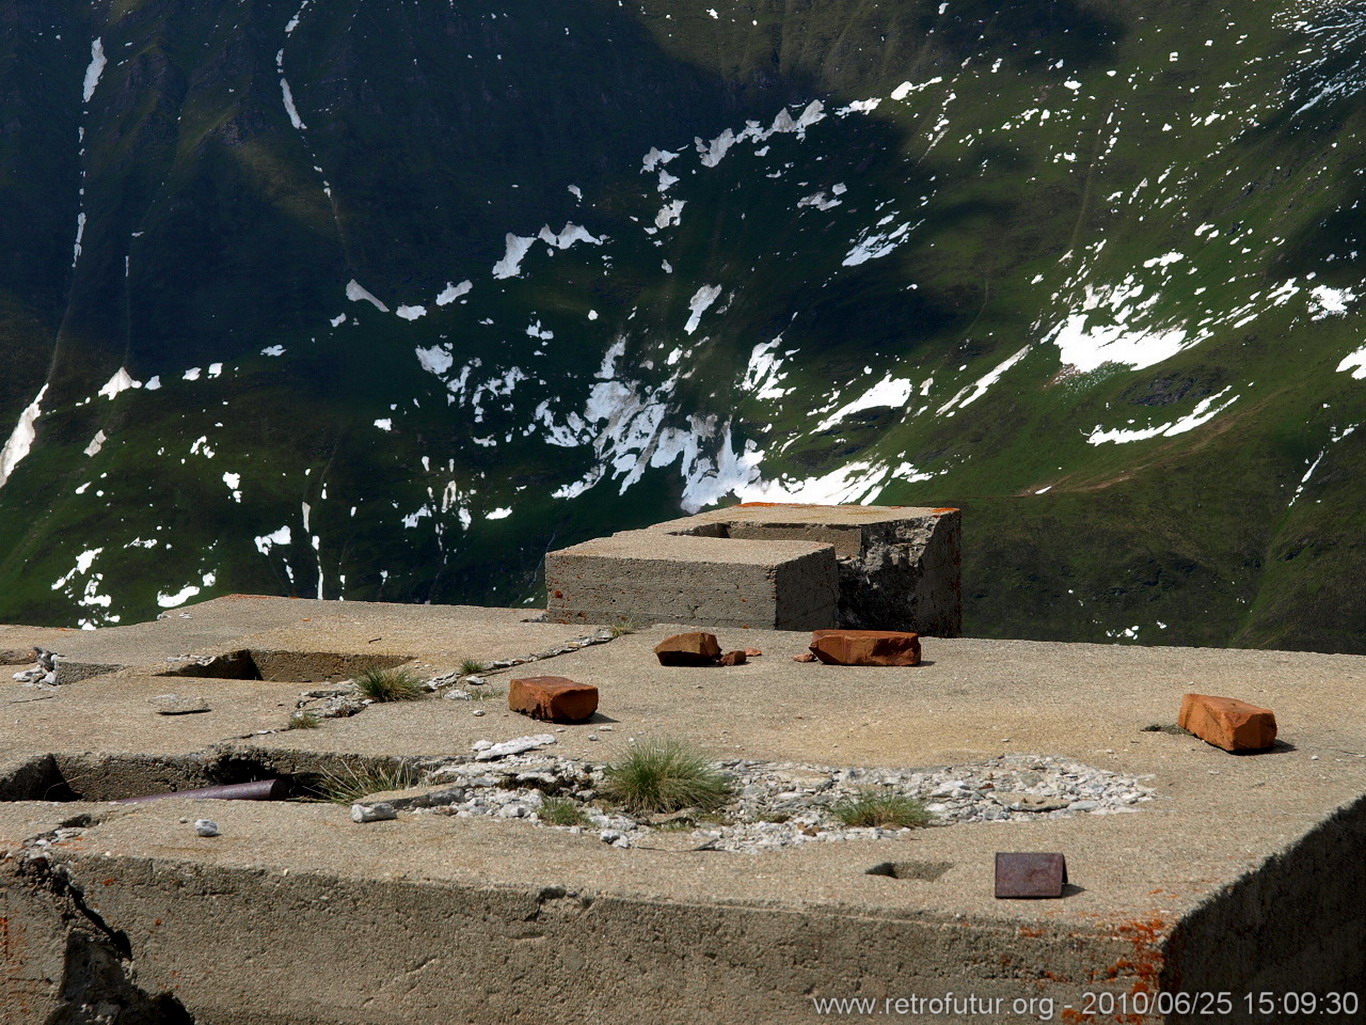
(383, 300)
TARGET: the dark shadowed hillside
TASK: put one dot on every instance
(381, 300)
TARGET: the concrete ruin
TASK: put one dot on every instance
(771, 566)
(1241, 876)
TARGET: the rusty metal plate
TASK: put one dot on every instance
(1030, 876)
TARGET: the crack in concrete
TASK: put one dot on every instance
(97, 985)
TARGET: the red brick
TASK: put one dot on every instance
(691, 649)
(1228, 723)
(734, 658)
(554, 698)
(866, 647)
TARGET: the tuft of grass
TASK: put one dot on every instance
(665, 775)
(348, 782)
(471, 666)
(562, 811)
(304, 721)
(883, 808)
(622, 627)
(389, 685)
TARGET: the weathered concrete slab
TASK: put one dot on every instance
(444, 635)
(650, 576)
(899, 568)
(1242, 875)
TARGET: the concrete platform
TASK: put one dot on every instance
(1243, 875)
(651, 576)
(898, 568)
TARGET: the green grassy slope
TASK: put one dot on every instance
(1090, 271)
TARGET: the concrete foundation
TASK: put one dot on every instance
(649, 576)
(1242, 877)
(898, 568)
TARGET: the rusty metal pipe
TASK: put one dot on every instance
(260, 790)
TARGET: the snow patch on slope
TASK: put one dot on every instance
(21, 438)
(1205, 411)
(701, 301)
(357, 292)
(94, 70)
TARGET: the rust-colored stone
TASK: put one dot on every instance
(752, 653)
(1228, 723)
(553, 698)
(805, 656)
(734, 658)
(690, 649)
(866, 647)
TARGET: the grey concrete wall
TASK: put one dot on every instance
(327, 949)
(1296, 926)
(898, 569)
(647, 577)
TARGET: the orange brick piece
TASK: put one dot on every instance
(734, 658)
(1228, 723)
(692, 649)
(866, 647)
(554, 698)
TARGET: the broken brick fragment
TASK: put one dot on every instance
(752, 652)
(805, 656)
(553, 698)
(1228, 723)
(734, 658)
(690, 649)
(866, 647)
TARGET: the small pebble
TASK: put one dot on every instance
(206, 827)
(479, 711)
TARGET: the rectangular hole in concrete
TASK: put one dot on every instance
(286, 666)
(923, 871)
(107, 778)
(310, 776)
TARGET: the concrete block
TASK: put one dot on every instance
(900, 567)
(652, 576)
(1228, 723)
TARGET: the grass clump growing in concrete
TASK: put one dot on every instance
(348, 782)
(562, 811)
(622, 627)
(304, 721)
(665, 775)
(471, 666)
(882, 808)
(389, 685)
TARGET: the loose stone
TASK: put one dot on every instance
(689, 649)
(177, 704)
(379, 812)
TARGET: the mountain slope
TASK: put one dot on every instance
(382, 301)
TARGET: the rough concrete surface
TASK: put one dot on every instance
(1244, 872)
(648, 576)
(896, 568)
(899, 566)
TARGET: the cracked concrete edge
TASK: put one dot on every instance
(61, 963)
(564, 956)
